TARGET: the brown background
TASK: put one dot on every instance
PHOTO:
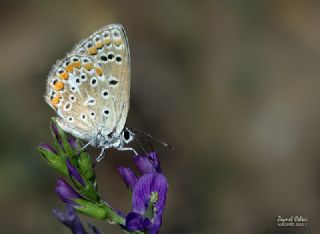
(233, 85)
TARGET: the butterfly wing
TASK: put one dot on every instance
(76, 89)
(109, 46)
(90, 88)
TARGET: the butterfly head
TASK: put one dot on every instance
(113, 139)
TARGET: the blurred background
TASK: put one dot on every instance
(233, 85)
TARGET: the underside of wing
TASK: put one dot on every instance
(109, 47)
(78, 90)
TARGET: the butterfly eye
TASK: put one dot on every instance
(126, 135)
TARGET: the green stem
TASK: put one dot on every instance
(113, 216)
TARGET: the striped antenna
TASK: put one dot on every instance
(153, 138)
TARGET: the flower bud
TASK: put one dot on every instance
(52, 158)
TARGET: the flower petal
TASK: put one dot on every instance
(55, 131)
(134, 222)
(155, 226)
(73, 173)
(66, 192)
(148, 184)
(70, 219)
(128, 177)
(73, 142)
(147, 164)
(155, 162)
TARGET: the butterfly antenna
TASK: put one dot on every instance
(153, 138)
(141, 145)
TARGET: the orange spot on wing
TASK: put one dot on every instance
(55, 101)
(99, 44)
(76, 64)
(64, 75)
(118, 42)
(99, 71)
(88, 66)
(107, 41)
(69, 68)
(92, 50)
(58, 86)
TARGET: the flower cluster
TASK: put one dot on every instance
(147, 191)
(148, 194)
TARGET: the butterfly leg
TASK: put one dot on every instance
(101, 155)
(83, 148)
(127, 149)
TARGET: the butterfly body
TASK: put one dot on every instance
(90, 89)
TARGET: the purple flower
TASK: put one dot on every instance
(74, 173)
(59, 136)
(73, 142)
(66, 192)
(55, 132)
(148, 194)
(148, 202)
(70, 219)
(136, 221)
(148, 164)
(128, 177)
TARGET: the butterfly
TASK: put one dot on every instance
(90, 90)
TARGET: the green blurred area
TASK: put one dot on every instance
(233, 85)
